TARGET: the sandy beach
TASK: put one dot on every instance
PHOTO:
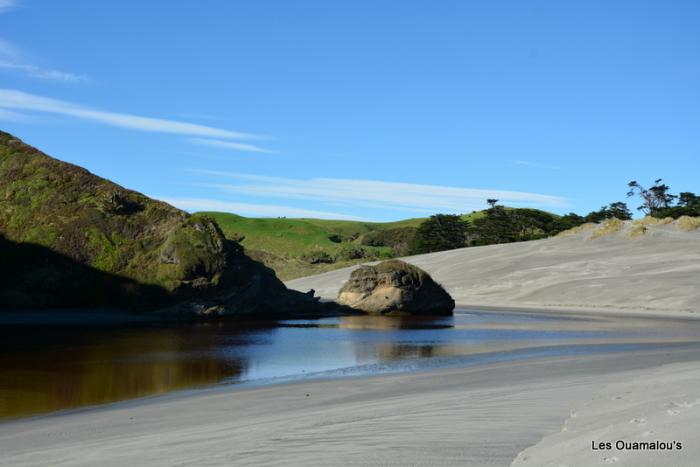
(539, 411)
(651, 419)
(476, 416)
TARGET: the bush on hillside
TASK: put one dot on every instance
(318, 257)
(688, 205)
(502, 225)
(118, 203)
(352, 252)
(335, 238)
(398, 239)
(440, 232)
(617, 210)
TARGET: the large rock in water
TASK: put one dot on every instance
(69, 238)
(395, 287)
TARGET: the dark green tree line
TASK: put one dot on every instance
(440, 232)
(501, 224)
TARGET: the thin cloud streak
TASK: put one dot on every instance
(534, 164)
(10, 116)
(12, 59)
(42, 73)
(13, 99)
(377, 194)
(217, 143)
(259, 210)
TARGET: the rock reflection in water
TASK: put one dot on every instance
(393, 349)
(383, 323)
(48, 369)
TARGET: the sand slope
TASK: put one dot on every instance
(661, 405)
(478, 416)
(631, 266)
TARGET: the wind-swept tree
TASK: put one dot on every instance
(688, 205)
(689, 200)
(654, 198)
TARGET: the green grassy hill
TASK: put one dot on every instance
(101, 225)
(300, 247)
(69, 238)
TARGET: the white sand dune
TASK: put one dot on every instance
(627, 269)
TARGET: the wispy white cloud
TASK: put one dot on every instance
(42, 73)
(257, 210)
(18, 100)
(535, 164)
(231, 145)
(12, 59)
(6, 5)
(11, 116)
(376, 194)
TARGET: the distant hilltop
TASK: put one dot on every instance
(301, 247)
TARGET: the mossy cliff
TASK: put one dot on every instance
(157, 254)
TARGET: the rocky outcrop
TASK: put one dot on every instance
(73, 239)
(395, 287)
(249, 288)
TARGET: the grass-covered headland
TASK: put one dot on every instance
(69, 238)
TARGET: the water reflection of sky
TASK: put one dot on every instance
(370, 344)
(46, 368)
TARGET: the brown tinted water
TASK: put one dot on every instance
(49, 368)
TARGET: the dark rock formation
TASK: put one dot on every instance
(395, 287)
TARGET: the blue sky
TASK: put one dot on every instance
(375, 110)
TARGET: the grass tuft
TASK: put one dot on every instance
(607, 227)
(687, 223)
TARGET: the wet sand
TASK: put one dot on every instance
(481, 416)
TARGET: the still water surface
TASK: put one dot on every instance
(48, 368)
